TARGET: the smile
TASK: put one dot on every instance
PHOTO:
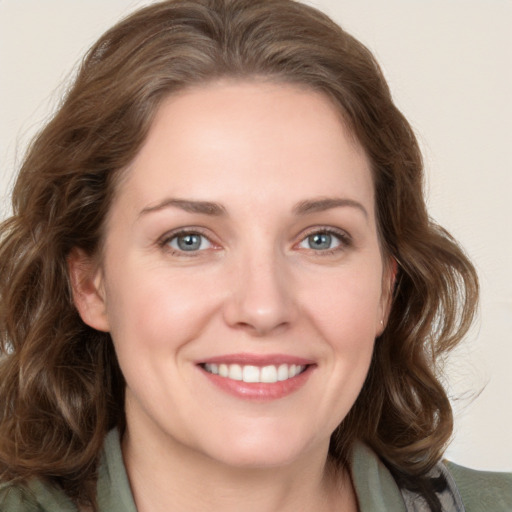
(255, 374)
(258, 377)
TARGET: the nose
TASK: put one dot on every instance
(262, 298)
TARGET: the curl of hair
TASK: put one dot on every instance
(61, 388)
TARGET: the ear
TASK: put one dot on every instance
(388, 287)
(87, 285)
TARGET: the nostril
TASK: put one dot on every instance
(261, 328)
(261, 300)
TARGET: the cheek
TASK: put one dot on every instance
(346, 307)
(155, 311)
(346, 321)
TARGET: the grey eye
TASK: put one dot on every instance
(189, 242)
(320, 241)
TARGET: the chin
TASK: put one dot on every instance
(255, 450)
(246, 458)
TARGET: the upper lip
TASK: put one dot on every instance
(257, 359)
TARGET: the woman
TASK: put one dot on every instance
(220, 284)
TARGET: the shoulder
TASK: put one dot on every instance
(14, 498)
(113, 488)
(482, 490)
(467, 490)
(34, 497)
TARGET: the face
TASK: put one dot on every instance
(242, 279)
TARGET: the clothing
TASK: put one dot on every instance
(477, 491)
(376, 490)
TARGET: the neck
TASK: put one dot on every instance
(168, 476)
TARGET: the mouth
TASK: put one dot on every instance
(259, 378)
(269, 374)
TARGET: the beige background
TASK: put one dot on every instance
(449, 64)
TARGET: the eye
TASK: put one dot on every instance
(188, 242)
(324, 240)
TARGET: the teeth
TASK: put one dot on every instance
(268, 374)
(251, 374)
(223, 370)
(254, 374)
(283, 372)
(212, 368)
(235, 372)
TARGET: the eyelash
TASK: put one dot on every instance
(165, 241)
(344, 239)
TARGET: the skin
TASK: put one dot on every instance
(268, 156)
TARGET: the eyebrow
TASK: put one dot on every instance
(188, 205)
(320, 205)
(215, 209)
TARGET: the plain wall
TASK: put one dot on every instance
(449, 65)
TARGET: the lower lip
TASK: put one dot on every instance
(259, 391)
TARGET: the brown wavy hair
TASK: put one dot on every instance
(61, 389)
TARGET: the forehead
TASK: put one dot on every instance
(258, 138)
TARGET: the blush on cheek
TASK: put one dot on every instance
(348, 317)
(169, 315)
